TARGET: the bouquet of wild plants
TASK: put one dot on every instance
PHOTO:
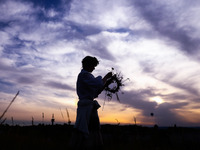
(113, 85)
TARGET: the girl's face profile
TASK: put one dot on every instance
(90, 69)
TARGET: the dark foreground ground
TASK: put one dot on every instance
(115, 138)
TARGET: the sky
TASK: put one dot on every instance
(153, 43)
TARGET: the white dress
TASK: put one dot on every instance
(88, 87)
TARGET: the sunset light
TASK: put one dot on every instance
(158, 100)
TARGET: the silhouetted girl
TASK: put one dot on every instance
(87, 126)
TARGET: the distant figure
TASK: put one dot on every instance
(87, 126)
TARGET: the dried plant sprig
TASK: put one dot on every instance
(8, 108)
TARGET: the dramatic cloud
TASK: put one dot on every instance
(154, 43)
(60, 86)
(169, 20)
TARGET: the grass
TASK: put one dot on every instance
(114, 137)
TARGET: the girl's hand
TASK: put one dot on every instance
(108, 75)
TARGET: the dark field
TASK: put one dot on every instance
(115, 138)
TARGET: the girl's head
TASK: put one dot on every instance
(89, 63)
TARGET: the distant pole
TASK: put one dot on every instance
(12, 121)
(153, 120)
(42, 118)
(32, 121)
(135, 120)
(52, 120)
(9, 106)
